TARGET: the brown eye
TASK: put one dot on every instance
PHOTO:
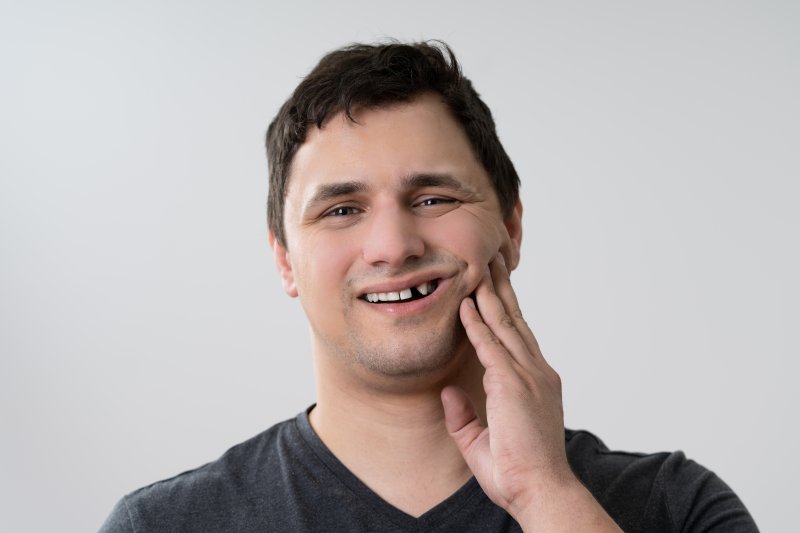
(341, 211)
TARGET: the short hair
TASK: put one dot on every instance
(378, 75)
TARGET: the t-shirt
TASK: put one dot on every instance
(286, 479)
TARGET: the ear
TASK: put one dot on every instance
(514, 227)
(284, 264)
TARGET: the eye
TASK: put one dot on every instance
(341, 211)
(435, 201)
(435, 206)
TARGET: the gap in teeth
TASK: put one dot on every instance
(422, 290)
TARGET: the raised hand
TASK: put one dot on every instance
(518, 457)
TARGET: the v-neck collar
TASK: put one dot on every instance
(429, 520)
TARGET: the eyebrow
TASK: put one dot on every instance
(334, 190)
(418, 181)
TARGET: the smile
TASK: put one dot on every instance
(408, 294)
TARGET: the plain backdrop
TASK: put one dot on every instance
(143, 330)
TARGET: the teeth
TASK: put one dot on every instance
(423, 288)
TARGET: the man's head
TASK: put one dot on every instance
(384, 214)
(371, 76)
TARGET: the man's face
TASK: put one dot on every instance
(390, 223)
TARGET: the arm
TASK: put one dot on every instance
(519, 458)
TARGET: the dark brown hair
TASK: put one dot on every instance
(365, 75)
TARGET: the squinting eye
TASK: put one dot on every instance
(341, 211)
(436, 201)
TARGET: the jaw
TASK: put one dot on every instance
(399, 346)
(423, 364)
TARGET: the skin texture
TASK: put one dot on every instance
(388, 233)
(405, 391)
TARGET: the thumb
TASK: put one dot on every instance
(463, 424)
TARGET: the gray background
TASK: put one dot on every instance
(143, 330)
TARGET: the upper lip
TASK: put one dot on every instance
(397, 285)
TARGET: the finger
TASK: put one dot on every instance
(494, 314)
(505, 292)
(464, 426)
(488, 347)
(460, 416)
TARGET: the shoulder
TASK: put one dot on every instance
(598, 467)
(662, 491)
(237, 468)
(217, 493)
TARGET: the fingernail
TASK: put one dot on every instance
(470, 302)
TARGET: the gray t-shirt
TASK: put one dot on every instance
(286, 479)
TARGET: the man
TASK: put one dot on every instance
(394, 216)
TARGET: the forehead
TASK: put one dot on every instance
(382, 146)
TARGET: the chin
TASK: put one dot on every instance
(423, 356)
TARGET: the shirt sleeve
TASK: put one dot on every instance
(698, 500)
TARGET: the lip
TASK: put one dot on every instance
(411, 307)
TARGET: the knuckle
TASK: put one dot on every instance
(491, 338)
(506, 321)
(491, 383)
(555, 379)
(487, 339)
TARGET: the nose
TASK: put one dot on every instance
(392, 238)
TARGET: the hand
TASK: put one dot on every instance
(519, 457)
(524, 440)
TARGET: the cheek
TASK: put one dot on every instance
(474, 240)
(476, 249)
(321, 275)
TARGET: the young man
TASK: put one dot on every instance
(394, 216)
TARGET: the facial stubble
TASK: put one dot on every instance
(403, 346)
(413, 348)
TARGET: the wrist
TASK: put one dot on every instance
(544, 496)
(561, 505)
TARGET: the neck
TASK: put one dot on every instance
(393, 437)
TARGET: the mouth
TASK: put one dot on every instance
(408, 294)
